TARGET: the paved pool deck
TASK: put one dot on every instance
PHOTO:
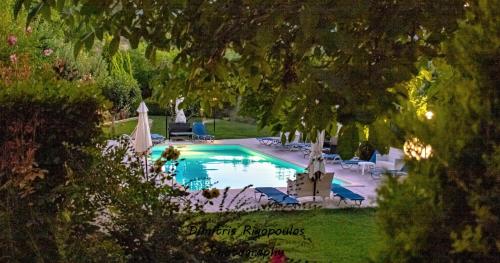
(364, 185)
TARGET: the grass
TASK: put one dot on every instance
(234, 130)
(129, 126)
(335, 235)
(223, 129)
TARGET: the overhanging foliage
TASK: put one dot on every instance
(306, 56)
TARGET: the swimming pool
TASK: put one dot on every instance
(203, 166)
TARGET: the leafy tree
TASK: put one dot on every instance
(308, 56)
(120, 87)
(299, 60)
(348, 141)
(143, 71)
(447, 209)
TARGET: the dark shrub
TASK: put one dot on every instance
(37, 120)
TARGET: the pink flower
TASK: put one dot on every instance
(11, 40)
(13, 58)
(47, 52)
(278, 257)
(28, 30)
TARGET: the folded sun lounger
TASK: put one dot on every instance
(346, 194)
(276, 196)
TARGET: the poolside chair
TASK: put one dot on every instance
(350, 163)
(306, 150)
(356, 160)
(157, 138)
(200, 133)
(377, 172)
(394, 160)
(346, 194)
(276, 197)
(333, 157)
(269, 140)
(263, 140)
(294, 146)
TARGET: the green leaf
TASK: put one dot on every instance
(99, 33)
(88, 39)
(17, 7)
(114, 44)
(291, 136)
(220, 71)
(60, 5)
(134, 40)
(308, 21)
(77, 47)
(33, 12)
(178, 3)
(46, 12)
(333, 129)
(265, 68)
(427, 74)
(150, 51)
(265, 36)
(254, 82)
(317, 51)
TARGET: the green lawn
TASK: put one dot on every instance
(129, 126)
(223, 129)
(336, 235)
(234, 130)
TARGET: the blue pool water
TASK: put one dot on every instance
(203, 166)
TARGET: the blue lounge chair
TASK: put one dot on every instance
(268, 140)
(200, 133)
(263, 140)
(293, 146)
(335, 158)
(306, 150)
(356, 160)
(276, 196)
(346, 194)
(157, 138)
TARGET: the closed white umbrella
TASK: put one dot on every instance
(316, 167)
(142, 134)
(316, 162)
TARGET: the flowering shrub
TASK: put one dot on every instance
(12, 40)
(17, 69)
(171, 153)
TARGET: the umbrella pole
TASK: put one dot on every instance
(146, 171)
(315, 180)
